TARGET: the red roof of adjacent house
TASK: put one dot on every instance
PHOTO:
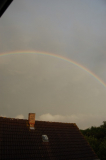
(19, 142)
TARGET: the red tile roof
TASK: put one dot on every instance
(19, 142)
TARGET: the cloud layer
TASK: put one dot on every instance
(83, 121)
(19, 116)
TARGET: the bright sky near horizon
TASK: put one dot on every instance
(54, 89)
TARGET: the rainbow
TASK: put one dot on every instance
(59, 57)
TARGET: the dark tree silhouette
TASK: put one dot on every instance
(96, 137)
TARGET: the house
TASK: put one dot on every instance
(22, 139)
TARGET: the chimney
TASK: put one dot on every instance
(31, 119)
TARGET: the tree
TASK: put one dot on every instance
(94, 143)
(96, 137)
(102, 150)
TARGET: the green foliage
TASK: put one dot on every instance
(94, 143)
(97, 132)
(104, 124)
(96, 137)
(102, 150)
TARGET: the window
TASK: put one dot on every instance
(45, 138)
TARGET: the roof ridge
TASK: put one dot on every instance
(38, 120)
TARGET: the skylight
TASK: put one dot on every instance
(45, 138)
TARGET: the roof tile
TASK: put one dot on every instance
(18, 141)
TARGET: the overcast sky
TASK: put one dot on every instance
(54, 89)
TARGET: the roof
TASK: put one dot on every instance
(18, 141)
(4, 5)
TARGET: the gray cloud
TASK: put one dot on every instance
(20, 116)
(41, 84)
(83, 121)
